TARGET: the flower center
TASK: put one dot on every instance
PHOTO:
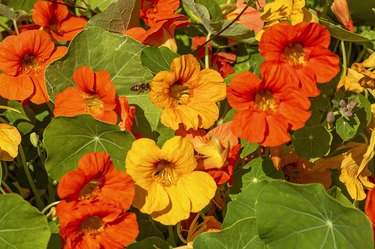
(265, 101)
(94, 104)
(295, 54)
(90, 189)
(180, 93)
(92, 225)
(165, 173)
(29, 63)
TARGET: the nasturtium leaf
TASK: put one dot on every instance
(98, 5)
(151, 242)
(164, 133)
(336, 193)
(261, 168)
(343, 34)
(235, 30)
(26, 5)
(347, 129)
(312, 141)
(118, 17)
(67, 139)
(243, 206)
(20, 223)
(150, 111)
(362, 12)
(241, 235)
(24, 119)
(198, 12)
(213, 8)
(364, 113)
(157, 58)
(247, 148)
(305, 216)
(369, 34)
(147, 228)
(100, 50)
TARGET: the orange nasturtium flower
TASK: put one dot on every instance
(57, 19)
(266, 109)
(187, 94)
(167, 187)
(301, 52)
(10, 138)
(94, 94)
(96, 180)
(96, 226)
(23, 60)
(95, 198)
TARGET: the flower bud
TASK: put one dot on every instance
(341, 11)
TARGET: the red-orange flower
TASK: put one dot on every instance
(23, 59)
(127, 114)
(266, 109)
(95, 226)
(154, 11)
(299, 53)
(94, 94)
(96, 180)
(56, 18)
(370, 205)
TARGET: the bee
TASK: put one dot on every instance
(140, 87)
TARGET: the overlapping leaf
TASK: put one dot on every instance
(68, 139)
(20, 223)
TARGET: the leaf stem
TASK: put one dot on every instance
(49, 206)
(221, 31)
(38, 199)
(207, 53)
(171, 238)
(344, 62)
(6, 186)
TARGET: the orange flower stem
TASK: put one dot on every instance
(207, 53)
(39, 202)
(344, 62)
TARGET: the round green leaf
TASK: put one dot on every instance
(68, 139)
(22, 226)
(312, 141)
(241, 235)
(260, 169)
(243, 206)
(305, 216)
(347, 128)
(100, 50)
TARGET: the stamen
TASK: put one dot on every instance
(165, 173)
(92, 225)
(295, 54)
(265, 101)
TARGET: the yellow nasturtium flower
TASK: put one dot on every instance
(354, 166)
(167, 185)
(10, 138)
(285, 10)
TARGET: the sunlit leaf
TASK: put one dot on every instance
(247, 148)
(157, 58)
(68, 139)
(343, 34)
(118, 17)
(347, 128)
(22, 226)
(260, 169)
(305, 216)
(241, 235)
(24, 119)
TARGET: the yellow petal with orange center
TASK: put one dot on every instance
(10, 138)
